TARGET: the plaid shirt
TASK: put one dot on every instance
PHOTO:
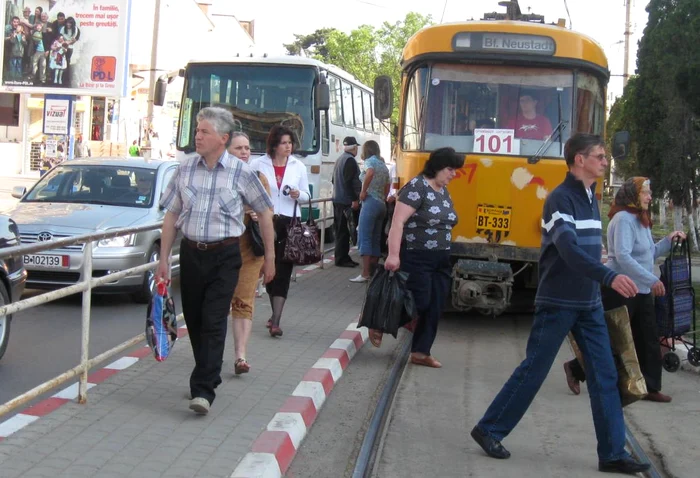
(209, 203)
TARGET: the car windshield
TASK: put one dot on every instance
(258, 96)
(99, 184)
(489, 109)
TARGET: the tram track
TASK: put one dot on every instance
(370, 449)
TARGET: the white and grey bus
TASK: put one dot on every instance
(321, 103)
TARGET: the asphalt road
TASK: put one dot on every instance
(45, 340)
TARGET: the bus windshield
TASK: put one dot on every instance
(259, 97)
(463, 105)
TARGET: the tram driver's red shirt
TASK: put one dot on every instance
(537, 128)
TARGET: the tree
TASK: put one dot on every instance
(621, 119)
(313, 45)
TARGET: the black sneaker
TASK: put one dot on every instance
(490, 445)
(627, 465)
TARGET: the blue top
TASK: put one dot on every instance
(377, 187)
(631, 250)
(570, 265)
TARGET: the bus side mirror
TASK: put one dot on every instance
(621, 144)
(159, 91)
(383, 97)
(323, 96)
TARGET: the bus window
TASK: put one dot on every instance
(347, 104)
(414, 110)
(336, 109)
(528, 101)
(325, 139)
(366, 101)
(375, 121)
(590, 106)
(357, 104)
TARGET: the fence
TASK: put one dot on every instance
(85, 287)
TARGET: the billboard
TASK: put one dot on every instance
(67, 47)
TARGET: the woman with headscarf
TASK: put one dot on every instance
(631, 251)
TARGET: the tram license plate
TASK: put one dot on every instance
(46, 260)
(493, 218)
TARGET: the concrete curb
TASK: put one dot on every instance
(69, 394)
(274, 449)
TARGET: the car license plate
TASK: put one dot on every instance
(493, 218)
(46, 260)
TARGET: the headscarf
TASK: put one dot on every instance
(627, 199)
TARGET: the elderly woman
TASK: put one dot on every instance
(631, 251)
(243, 303)
(375, 188)
(288, 182)
(423, 221)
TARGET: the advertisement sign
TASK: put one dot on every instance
(57, 114)
(76, 47)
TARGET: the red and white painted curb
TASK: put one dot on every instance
(273, 451)
(69, 394)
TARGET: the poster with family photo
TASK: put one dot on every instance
(68, 46)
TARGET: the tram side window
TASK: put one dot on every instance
(336, 109)
(590, 106)
(366, 101)
(357, 104)
(414, 110)
(347, 104)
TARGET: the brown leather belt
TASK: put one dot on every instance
(210, 246)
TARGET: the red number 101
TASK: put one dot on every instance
(494, 143)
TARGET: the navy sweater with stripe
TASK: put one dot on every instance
(572, 240)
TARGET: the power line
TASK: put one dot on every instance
(443, 11)
(566, 5)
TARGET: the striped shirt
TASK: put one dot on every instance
(570, 269)
(209, 203)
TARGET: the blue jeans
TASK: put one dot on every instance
(549, 330)
(370, 226)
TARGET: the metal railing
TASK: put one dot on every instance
(85, 287)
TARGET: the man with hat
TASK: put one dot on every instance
(346, 195)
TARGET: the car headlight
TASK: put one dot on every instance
(121, 241)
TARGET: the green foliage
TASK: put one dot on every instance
(366, 52)
(621, 119)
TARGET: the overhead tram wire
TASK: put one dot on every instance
(571, 24)
(444, 7)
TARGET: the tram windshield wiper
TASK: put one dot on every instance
(556, 134)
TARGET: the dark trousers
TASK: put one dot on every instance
(644, 332)
(342, 234)
(279, 286)
(549, 330)
(207, 282)
(429, 281)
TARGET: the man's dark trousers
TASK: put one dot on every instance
(342, 234)
(207, 282)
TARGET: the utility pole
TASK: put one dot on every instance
(628, 33)
(152, 82)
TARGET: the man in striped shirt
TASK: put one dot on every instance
(205, 201)
(568, 299)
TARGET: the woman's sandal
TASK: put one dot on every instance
(275, 331)
(269, 324)
(241, 366)
(427, 361)
(375, 337)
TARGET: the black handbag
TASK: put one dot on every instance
(256, 239)
(302, 246)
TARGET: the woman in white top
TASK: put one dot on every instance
(288, 182)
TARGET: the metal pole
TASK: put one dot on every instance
(628, 33)
(153, 77)
(85, 343)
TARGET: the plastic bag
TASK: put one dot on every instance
(630, 381)
(388, 304)
(161, 323)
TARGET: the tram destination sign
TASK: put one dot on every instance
(494, 42)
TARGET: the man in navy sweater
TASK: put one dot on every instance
(568, 299)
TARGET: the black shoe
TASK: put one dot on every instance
(627, 465)
(492, 447)
(348, 263)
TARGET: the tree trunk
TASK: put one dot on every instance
(693, 232)
(677, 218)
(662, 212)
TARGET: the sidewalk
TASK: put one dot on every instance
(137, 422)
(7, 183)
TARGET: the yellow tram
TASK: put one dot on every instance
(507, 94)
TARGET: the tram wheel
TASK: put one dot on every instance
(694, 356)
(671, 362)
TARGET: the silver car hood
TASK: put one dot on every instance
(74, 218)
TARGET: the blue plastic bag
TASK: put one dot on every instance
(161, 323)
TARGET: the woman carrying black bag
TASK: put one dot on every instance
(419, 243)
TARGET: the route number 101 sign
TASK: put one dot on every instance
(496, 141)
